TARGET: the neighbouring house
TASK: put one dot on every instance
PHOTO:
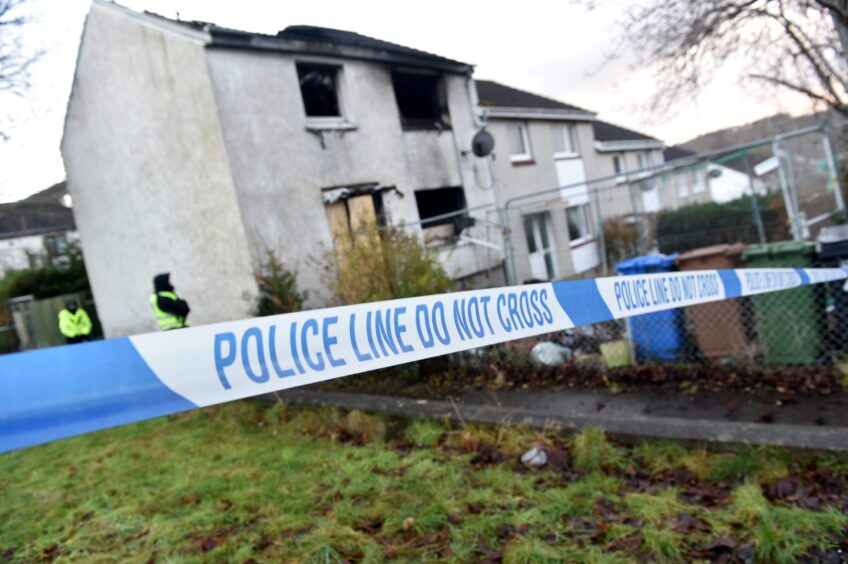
(542, 144)
(192, 148)
(700, 181)
(621, 153)
(692, 181)
(36, 229)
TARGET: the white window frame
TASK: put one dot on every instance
(700, 185)
(343, 121)
(568, 133)
(589, 234)
(527, 155)
(682, 185)
(622, 168)
(646, 159)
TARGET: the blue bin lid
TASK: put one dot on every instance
(647, 263)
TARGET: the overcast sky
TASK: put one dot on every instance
(551, 48)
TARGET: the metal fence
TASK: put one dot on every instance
(783, 190)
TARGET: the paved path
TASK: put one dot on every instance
(701, 418)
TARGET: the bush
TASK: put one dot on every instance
(621, 240)
(278, 291)
(53, 279)
(380, 264)
(702, 225)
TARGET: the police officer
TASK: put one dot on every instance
(74, 323)
(170, 311)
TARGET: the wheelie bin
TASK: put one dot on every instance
(789, 321)
(658, 335)
(719, 327)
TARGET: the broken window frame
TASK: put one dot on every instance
(440, 118)
(445, 229)
(336, 79)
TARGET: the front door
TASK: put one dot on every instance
(651, 198)
(540, 247)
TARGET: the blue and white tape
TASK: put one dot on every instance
(65, 391)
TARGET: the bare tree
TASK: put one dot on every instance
(796, 45)
(15, 58)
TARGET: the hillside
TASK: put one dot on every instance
(760, 129)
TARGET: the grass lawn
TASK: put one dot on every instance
(257, 482)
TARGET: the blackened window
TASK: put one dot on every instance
(440, 201)
(420, 100)
(318, 89)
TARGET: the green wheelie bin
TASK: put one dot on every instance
(789, 322)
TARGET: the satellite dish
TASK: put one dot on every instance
(483, 143)
(714, 172)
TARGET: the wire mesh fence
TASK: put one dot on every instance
(750, 206)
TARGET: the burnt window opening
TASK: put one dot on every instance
(421, 101)
(440, 201)
(318, 88)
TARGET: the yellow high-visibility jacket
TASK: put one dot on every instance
(74, 324)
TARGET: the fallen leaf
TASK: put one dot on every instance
(686, 524)
(208, 544)
(372, 526)
(631, 543)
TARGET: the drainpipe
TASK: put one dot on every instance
(480, 122)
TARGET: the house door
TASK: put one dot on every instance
(540, 247)
(651, 198)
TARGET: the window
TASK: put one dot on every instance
(645, 159)
(682, 184)
(519, 145)
(55, 245)
(699, 182)
(618, 164)
(318, 89)
(440, 201)
(421, 101)
(565, 141)
(579, 226)
(539, 247)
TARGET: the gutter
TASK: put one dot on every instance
(537, 113)
(628, 145)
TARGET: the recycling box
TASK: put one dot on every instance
(719, 327)
(658, 335)
(789, 322)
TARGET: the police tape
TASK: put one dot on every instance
(64, 391)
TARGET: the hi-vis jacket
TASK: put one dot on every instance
(76, 324)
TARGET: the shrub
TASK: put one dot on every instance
(621, 239)
(278, 292)
(702, 225)
(53, 279)
(380, 264)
